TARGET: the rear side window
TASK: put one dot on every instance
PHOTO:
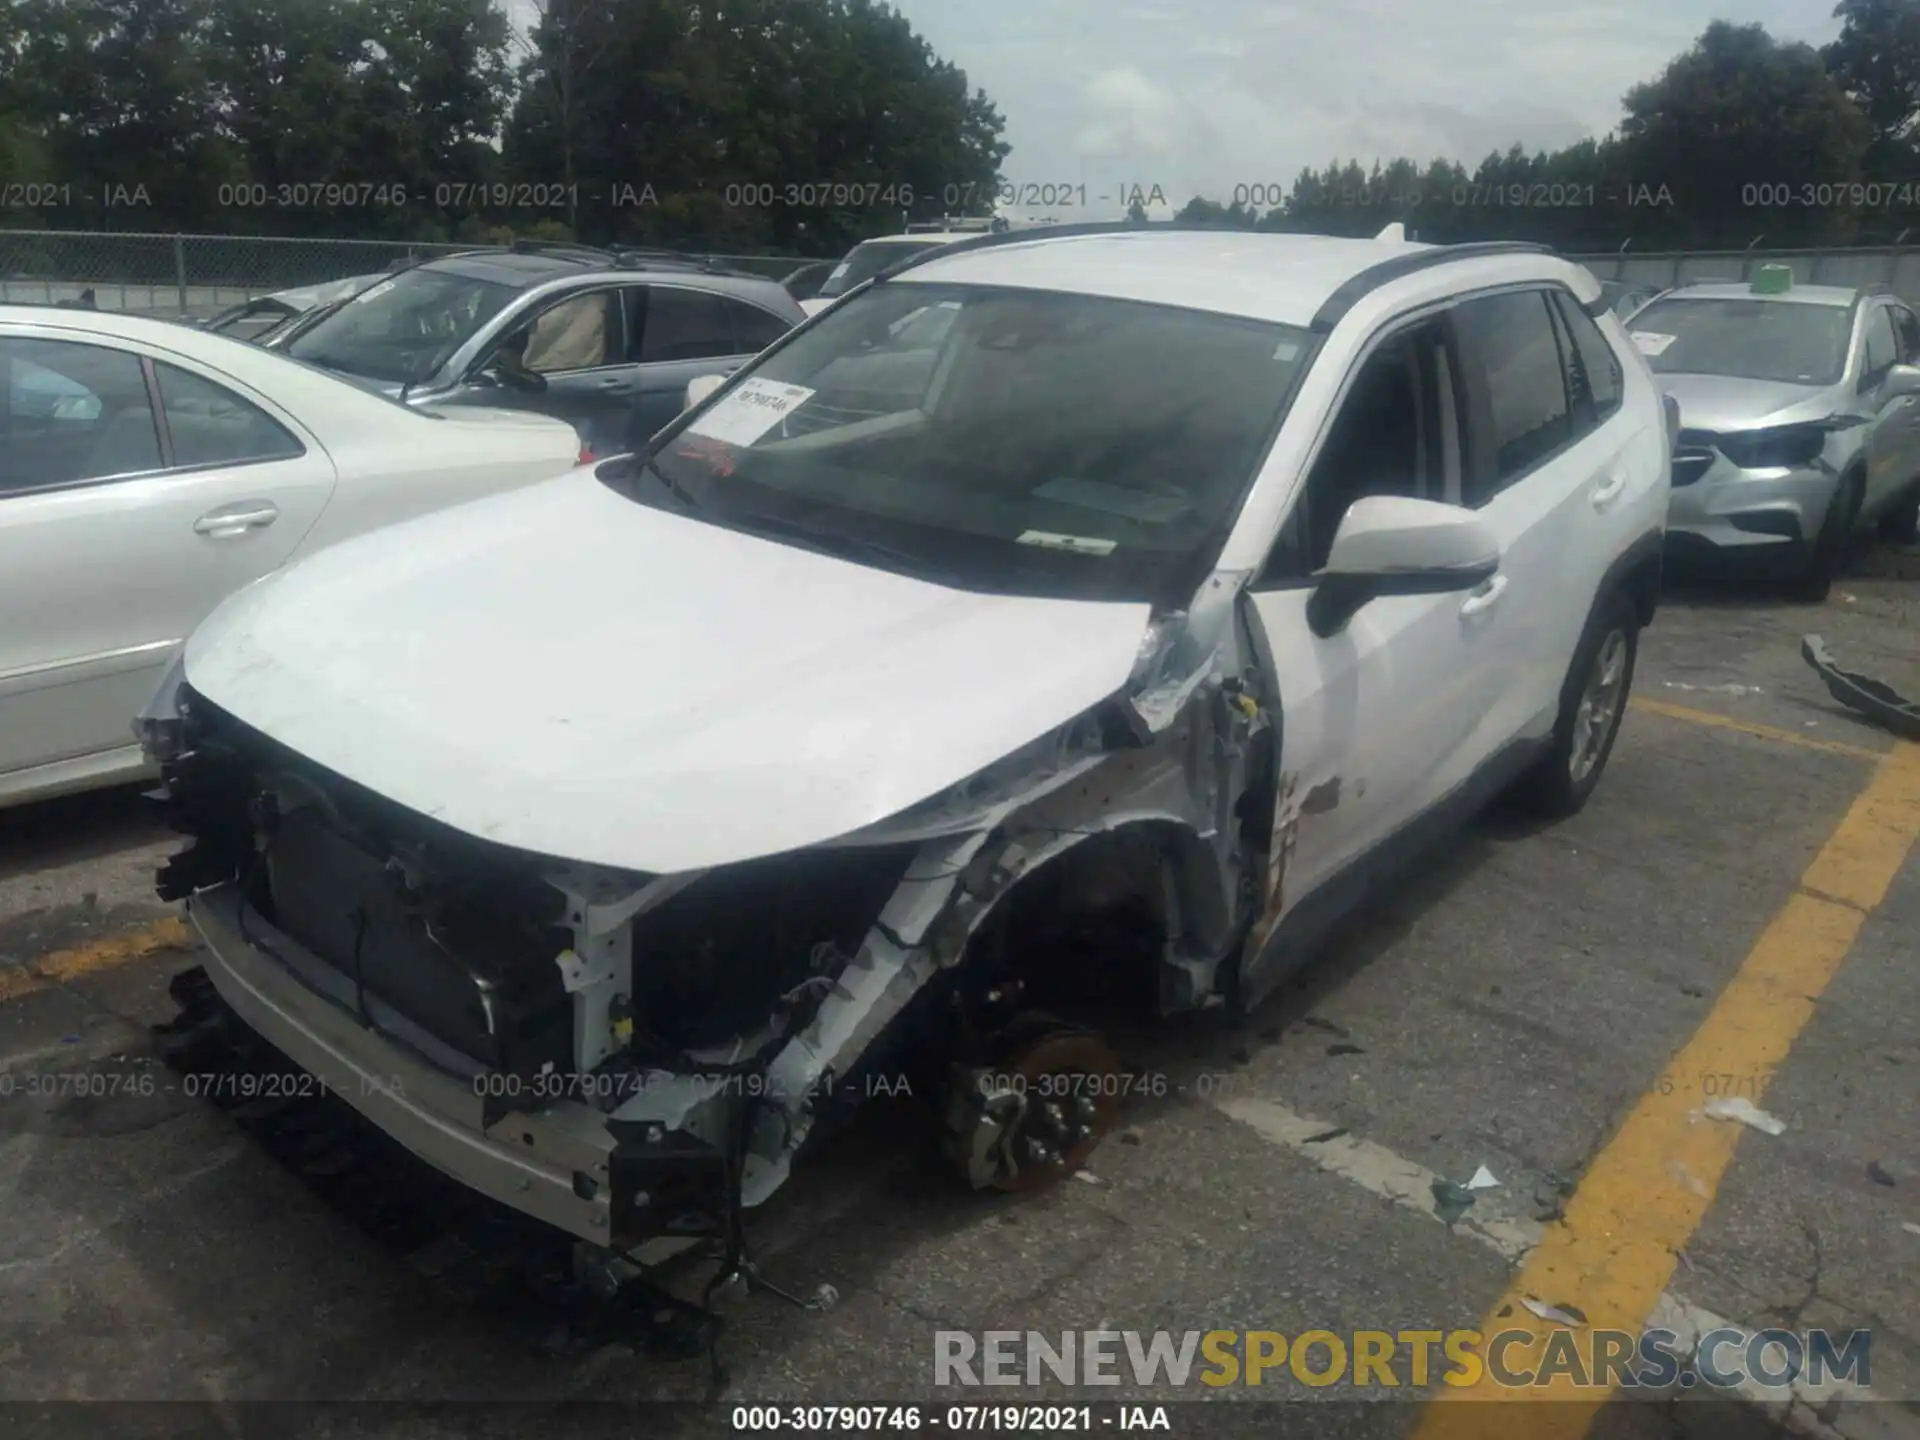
(685, 325)
(754, 329)
(210, 425)
(71, 412)
(1593, 370)
(1527, 416)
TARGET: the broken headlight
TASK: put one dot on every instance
(1776, 447)
(160, 725)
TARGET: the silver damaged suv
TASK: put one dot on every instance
(1800, 413)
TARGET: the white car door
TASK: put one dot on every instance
(1386, 717)
(135, 493)
(1546, 477)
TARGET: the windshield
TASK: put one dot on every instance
(1011, 440)
(1784, 340)
(402, 329)
(864, 262)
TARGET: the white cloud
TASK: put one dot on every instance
(1218, 93)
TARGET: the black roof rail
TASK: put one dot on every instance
(1330, 312)
(640, 258)
(1335, 307)
(1017, 237)
(560, 247)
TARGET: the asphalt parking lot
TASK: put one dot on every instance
(1737, 914)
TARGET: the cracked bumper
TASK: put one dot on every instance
(531, 1163)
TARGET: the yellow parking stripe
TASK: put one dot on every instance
(122, 948)
(1748, 727)
(1648, 1190)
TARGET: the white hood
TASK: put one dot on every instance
(567, 671)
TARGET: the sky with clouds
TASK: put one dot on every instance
(1201, 96)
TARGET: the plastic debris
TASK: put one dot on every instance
(1450, 1201)
(1911, 1228)
(1878, 1175)
(1483, 1179)
(1559, 1314)
(825, 1297)
(1738, 1107)
(1875, 699)
(1086, 1177)
(1687, 1178)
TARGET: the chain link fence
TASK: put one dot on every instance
(1895, 266)
(199, 275)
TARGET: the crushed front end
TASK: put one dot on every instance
(637, 1058)
(482, 1006)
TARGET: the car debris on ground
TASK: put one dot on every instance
(1738, 1107)
(1875, 699)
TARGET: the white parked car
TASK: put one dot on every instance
(870, 257)
(147, 470)
(889, 720)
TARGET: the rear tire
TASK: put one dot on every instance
(1901, 524)
(1593, 701)
(1815, 582)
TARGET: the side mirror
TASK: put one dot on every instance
(701, 386)
(1902, 380)
(1391, 545)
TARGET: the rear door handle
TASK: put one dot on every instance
(614, 383)
(237, 519)
(1484, 598)
(1608, 491)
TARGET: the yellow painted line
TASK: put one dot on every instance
(1648, 1190)
(1748, 727)
(109, 951)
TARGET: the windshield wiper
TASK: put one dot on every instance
(643, 464)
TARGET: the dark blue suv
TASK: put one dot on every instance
(604, 339)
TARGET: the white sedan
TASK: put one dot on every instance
(147, 470)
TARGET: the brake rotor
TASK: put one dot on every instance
(1073, 1083)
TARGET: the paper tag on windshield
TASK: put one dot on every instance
(373, 292)
(1078, 544)
(1651, 342)
(746, 414)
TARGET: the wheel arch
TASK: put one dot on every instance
(1155, 857)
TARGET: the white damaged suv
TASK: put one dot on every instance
(925, 692)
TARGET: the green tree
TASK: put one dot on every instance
(1876, 61)
(751, 123)
(1212, 215)
(1737, 112)
(119, 92)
